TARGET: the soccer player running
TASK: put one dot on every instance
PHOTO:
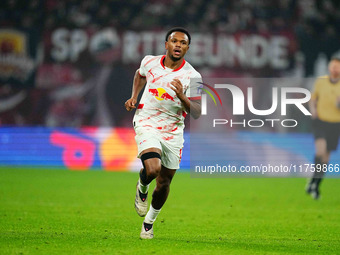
(172, 91)
(325, 108)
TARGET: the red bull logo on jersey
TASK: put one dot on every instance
(161, 94)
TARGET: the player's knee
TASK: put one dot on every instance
(321, 158)
(152, 166)
(321, 148)
(321, 155)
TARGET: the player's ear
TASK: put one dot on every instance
(166, 45)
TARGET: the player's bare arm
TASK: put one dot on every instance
(312, 108)
(191, 106)
(138, 84)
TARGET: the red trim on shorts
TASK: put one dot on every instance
(184, 114)
(168, 138)
(140, 106)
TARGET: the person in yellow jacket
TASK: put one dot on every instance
(325, 108)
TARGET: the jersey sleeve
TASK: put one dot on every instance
(143, 66)
(195, 87)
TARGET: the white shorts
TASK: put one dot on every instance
(171, 148)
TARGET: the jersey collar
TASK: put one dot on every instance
(175, 70)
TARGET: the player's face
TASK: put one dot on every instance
(177, 45)
(334, 69)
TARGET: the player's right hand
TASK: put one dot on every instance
(130, 104)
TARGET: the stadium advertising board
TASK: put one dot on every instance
(242, 50)
(108, 149)
(75, 149)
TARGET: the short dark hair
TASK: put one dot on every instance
(336, 58)
(177, 29)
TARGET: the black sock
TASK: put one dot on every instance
(143, 177)
(319, 173)
(317, 165)
(147, 226)
(143, 196)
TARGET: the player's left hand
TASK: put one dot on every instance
(177, 86)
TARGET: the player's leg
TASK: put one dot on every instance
(320, 142)
(151, 160)
(162, 189)
(321, 157)
(323, 151)
(171, 157)
(326, 140)
(159, 196)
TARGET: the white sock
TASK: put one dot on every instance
(151, 215)
(143, 188)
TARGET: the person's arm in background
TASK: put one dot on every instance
(313, 102)
(312, 108)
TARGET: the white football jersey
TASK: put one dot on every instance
(159, 108)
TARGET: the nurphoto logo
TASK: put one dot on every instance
(280, 99)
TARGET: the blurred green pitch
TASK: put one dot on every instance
(65, 212)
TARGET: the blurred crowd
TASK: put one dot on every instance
(316, 22)
(321, 16)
